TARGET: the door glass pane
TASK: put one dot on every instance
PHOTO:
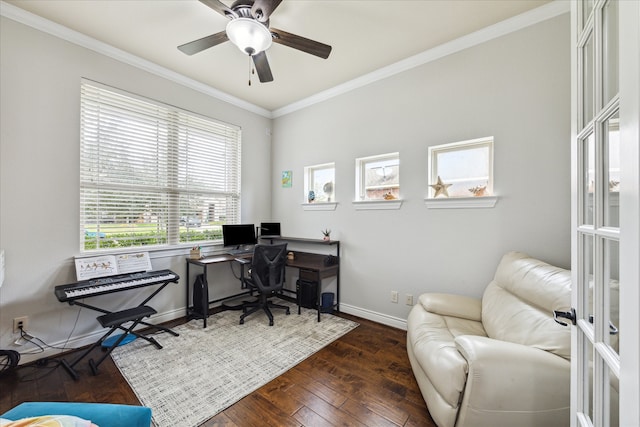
(609, 51)
(589, 177)
(587, 278)
(588, 374)
(612, 171)
(587, 80)
(613, 398)
(612, 288)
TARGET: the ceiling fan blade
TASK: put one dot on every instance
(298, 42)
(204, 43)
(262, 67)
(262, 9)
(220, 7)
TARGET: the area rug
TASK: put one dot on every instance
(205, 370)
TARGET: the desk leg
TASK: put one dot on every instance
(299, 296)
(205, 304)
(319, 296)
(338, 290)
(186, 307)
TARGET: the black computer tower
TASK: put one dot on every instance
(307, 292)
(200, 308)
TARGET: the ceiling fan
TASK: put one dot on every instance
(249, 30)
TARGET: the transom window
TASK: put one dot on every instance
(319, 183)
(152, 174)
(378, 177)
(461, 169)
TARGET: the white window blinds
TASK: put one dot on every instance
(153, 174)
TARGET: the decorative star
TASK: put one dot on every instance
(440, 188)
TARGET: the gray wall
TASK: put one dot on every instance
(514, 88)
(39, 178)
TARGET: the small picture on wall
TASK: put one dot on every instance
(286, 179)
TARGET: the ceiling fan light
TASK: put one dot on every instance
(249, 35)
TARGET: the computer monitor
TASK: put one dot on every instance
(270, 229)
(238, 235)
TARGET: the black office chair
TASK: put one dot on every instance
(266, 276)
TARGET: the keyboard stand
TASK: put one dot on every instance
(114, 320)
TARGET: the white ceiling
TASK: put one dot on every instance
(366, 35)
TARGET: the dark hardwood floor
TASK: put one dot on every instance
(362, 379)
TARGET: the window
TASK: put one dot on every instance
(319, 183)
(378, 177)
(152, 174)
(461, 169)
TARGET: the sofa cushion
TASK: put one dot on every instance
(432, 340)
(518, 304)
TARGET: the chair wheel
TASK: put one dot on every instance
(242, 321)
(288, 312)
(271, 323)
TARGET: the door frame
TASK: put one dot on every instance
(629, 243)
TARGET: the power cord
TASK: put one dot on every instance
(25, 336)
(8, 360)
(31, 339)
(44, 363)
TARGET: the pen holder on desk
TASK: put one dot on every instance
(195, 254)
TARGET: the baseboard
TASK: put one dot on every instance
(90, 338)
(384, 319)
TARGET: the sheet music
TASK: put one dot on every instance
(132, 263)
(109, 265)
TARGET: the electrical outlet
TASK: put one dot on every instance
(409, 299)
(20, 323)
(394, 296)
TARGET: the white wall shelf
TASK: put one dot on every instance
(321, 206)
(377, 204)
(461, 202)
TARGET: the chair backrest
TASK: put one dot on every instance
(518, 304)
(268, 265)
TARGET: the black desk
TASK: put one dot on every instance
(312, 264)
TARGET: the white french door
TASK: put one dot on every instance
(605, 213)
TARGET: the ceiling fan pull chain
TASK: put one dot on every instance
(250, 69)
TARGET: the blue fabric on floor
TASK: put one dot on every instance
(102, 414)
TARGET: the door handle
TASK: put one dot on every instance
(571, 315)
(613, 330)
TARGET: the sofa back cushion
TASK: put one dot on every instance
(518, 304)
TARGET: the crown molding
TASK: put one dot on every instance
(516, 23)
(27, 18)
(532, 17)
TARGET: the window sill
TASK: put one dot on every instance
(377, 205)
(320, 206)
(182, 249)
(461, 202)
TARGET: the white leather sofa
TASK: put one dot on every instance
(497, 361)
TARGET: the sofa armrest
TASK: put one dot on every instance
(452, 305)
(506, 377)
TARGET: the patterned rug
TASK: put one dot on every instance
(205, 370)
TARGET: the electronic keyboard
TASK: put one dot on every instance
(110, 284)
